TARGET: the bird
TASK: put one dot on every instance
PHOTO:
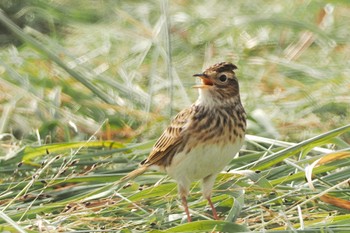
(202, 139)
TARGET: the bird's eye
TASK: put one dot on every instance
(223, 78)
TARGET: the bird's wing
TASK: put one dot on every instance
(170, 141)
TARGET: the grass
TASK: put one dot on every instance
(83, 101)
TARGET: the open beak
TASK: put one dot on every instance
(206, 82)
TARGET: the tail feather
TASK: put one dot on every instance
(133, 174)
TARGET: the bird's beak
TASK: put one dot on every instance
(206, 82)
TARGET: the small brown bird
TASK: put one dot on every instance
(202, 139)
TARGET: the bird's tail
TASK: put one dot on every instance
(133, 174)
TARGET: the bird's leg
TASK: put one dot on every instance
(215, 215)
(184, 203)
(207, 187)
(183, 189)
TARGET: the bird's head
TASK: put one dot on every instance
(219, 83)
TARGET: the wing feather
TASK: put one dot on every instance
(170, 141)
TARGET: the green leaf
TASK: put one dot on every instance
(207, 226)
(279, 156)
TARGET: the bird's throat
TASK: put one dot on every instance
(212, 98)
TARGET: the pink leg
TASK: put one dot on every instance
(215, 215)
(184, 203)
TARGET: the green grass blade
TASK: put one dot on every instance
(277, 157)
(207, 226)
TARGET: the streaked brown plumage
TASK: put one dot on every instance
(202, 139)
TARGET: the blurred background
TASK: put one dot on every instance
(121, 69)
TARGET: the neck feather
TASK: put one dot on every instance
(214, 99)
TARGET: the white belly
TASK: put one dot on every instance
(201, 162)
